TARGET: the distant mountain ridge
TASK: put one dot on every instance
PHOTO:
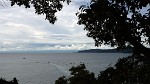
(128, 50)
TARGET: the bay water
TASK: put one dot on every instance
(45, 68)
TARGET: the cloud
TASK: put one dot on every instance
(43, 46)
(23, 29)
(78, 3)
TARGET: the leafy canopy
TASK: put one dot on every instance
(47, 7)
(117, 22)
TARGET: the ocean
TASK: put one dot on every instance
(45, 68)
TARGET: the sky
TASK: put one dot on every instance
(22, 29)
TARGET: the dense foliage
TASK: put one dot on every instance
(79, 75)
(118, 23)
(128, 70)
(3, 81)
(47, 7)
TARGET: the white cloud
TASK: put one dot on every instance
(21, 27)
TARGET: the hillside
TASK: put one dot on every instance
(128, 50)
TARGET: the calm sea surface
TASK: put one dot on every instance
(45, 68)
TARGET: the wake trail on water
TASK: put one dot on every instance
(61, 69)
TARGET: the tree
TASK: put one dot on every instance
(47, 7)
(3, 81)
(79, 75)
(115, 22)
(128, 70)
(118, 23)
